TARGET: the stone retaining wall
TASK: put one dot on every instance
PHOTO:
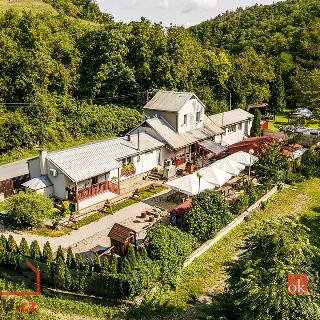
(208, 244)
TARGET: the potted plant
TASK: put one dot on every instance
(128, 170)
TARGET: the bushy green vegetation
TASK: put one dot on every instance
(50, 62)
(210, 212)
(270, 254)
(169, 246)
(273, 166)
(310, 162)
(28, 210)
(110, 278)
(285, 35)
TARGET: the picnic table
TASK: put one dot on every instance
(177, 197)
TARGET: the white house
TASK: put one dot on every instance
(175, 127)
(95, 169)
(178, 120)
(236, 125)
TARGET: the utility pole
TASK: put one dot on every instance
(147, 96)
(230, 102)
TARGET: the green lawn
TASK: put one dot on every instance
(282, 119)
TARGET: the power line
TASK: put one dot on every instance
(101, 100)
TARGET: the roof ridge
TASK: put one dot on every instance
(80, 146)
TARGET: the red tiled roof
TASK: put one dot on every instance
(255, 143)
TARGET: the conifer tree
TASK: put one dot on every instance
(35, 252)
(60, 273)
(4, 241)
(60, 254)
(12, 245)
(143, 253)
(3, 251)
(68, 279)
(70, 262)
(97, 264)
(256, 127)
(131, 256)
(47, 253)
(277, 100)
(79, 262)
(24, 248)
(125, 266)
(113, 265)
(105, 266)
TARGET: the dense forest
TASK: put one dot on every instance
(79, 75)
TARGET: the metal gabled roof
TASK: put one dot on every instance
(14, 169)
(179, 140)
(93, 159)
(170, 101)
(230, 117)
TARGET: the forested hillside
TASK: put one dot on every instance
(72, 73)
(285, 35)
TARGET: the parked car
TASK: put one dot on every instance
(301, 113)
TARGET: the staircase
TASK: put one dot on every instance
(154, 176)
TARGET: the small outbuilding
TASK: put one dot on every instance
(41, 185)
(121, 237)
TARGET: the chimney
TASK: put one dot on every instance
(43, 163)
(129, 137)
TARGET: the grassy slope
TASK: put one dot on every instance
(207, 272)
(34, 5)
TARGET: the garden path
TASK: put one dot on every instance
(95, 233)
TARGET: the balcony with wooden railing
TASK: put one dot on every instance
(93, 190)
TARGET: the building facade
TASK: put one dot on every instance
(175, 129)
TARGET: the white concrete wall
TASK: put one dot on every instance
(231, 137)
(34, 168)
(59, 182)
(144, 163)
(190, 109)
(48, 191)
(171, 117)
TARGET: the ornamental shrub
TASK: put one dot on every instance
(97, 264)
(24, 248)
(35, 252)
(241, 204)
(210, 212)
(59, 254)
(47, 255)
(70, 261)
(28, 210)
(12, 245)
(169, 247)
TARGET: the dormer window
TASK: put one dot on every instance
(198, 116)
(185, 119)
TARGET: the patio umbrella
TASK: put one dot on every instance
(243, 158)
(189, 184)
(215, 176)
(229, 166)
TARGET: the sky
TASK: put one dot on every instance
(178, 12)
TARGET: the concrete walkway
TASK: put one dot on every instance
(95, 233)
